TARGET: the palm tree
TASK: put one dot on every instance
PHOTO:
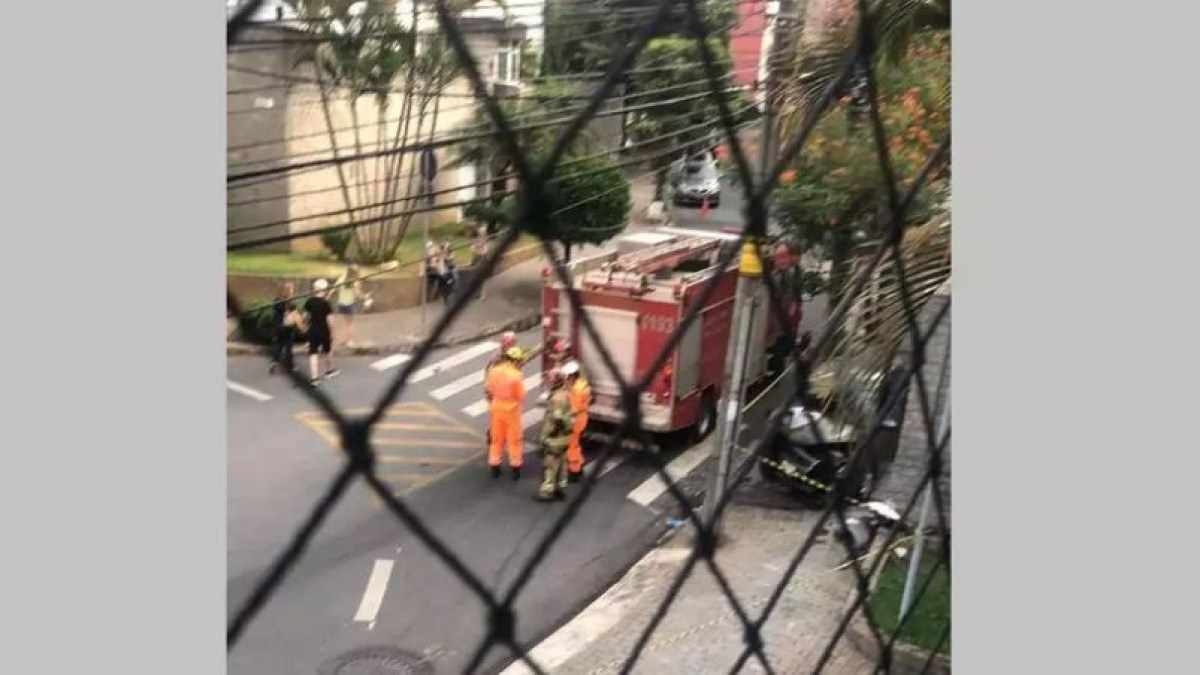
(812, 58)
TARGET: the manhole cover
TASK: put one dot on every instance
(377, 661)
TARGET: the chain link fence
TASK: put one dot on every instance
(758, 187)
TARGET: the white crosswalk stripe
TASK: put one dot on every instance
(481, 406)
(453, 360)
(391, 362)
(477, 408)
(458, 386)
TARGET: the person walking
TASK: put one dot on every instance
(349, 296)
(579, 393)
(506, 394)
(286, 324)
(555, 437)
(320, 334)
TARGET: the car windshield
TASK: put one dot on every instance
(700, 172)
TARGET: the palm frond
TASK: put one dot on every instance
(876, 327)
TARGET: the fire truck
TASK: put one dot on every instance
(636, 296)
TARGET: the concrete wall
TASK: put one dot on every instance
(256, 124)
(277, 118)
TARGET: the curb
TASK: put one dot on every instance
(408, 345)
(907, 659)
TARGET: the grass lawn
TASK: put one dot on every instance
(259, 263)
(929, 616)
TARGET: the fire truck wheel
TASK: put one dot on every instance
(708, 418)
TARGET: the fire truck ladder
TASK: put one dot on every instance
(634, 271)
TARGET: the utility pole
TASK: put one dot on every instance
(914, 564)
(737, 355)
(734, 381)
(428, 173)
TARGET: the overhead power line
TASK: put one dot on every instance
(411, 198)
(430, 144)
(489, 130)
(378, 219)
(521, 116)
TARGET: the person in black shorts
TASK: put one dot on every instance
(320, 335)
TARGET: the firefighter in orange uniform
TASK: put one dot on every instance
(506, 392)
(580, 394)
(507, 342)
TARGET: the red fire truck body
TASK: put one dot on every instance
(635, 297)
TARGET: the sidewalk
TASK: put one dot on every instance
(512, 301)
(701, 632)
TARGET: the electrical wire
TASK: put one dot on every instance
(492, 197)
(488, 130)
(518, 116)
(430, 144)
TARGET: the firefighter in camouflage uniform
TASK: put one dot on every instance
(556, 435)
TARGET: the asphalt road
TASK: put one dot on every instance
(366, 580)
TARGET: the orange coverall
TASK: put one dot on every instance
(506, 392)
(580, 394)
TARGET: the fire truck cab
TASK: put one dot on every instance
(635, 297)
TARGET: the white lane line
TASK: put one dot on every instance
(532, 417)
(373, 595)
(391, 362)
(681, 466)
(532, 382)
(247, 391)
(600, 617)
(613, 463)
(481, 406)
(477, 408)
(453, 360)
(458, 386)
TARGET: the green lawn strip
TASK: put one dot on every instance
(280, 264)
(929, 615)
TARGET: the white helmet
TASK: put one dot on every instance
(320, 285)
(570, 368)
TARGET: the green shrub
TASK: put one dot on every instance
(338, 242)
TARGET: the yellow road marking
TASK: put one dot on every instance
(424, 461)
(403, 482)
(418, 478)
(420, 443)
(406, 426)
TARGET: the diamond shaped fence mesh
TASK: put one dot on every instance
(912, 279)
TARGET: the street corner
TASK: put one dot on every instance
(415, 443)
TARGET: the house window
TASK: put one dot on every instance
(508, 61)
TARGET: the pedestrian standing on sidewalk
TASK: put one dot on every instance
(320, 333)
(286, 324)
(556, 436)
(432, 267)
(449, 272)
(506, 394)
(579, 392)
(349, 295)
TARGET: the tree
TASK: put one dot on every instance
(830, 29)
(538, 117)
(689, 125)
(581, 39)
(363, 52)
(585, 202)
